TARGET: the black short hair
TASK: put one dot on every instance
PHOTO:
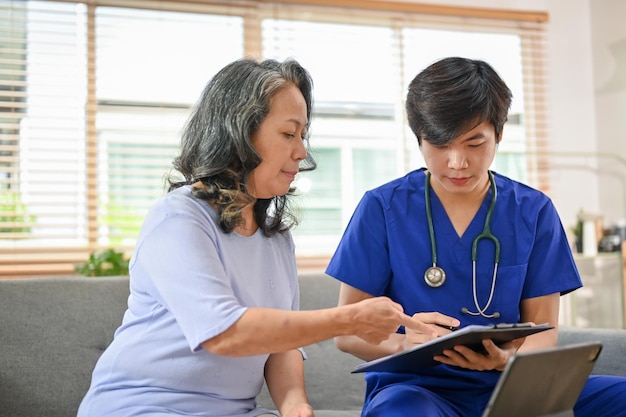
(454, 95)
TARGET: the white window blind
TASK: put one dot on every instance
(44, 79)
(93, 96)
(150, 68)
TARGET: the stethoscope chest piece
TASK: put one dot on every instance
(435, 276)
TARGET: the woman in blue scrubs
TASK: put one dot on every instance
(413, 240)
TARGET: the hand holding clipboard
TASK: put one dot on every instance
(421, 356)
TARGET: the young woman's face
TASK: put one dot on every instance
(279, 142)
(461, 166)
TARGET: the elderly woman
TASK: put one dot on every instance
(212, 311)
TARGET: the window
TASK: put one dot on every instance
(503, 51)
(359, 122)
(147, 76)
(93, 96)
(43, 71)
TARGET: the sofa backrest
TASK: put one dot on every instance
(330, 385)
(611, 360)
(52, 332)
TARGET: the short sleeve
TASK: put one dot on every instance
(362, 256)
(551, 266)
(177, 264)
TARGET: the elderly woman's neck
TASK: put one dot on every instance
(249, 225)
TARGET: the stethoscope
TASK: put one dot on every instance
(435, 276)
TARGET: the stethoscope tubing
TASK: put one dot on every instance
(435, 275)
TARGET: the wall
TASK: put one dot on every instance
(571, 109)
(609, 69)
(587, 106)
(586, 97)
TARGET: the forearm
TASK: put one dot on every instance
(262, 331)
(540, 310)
(367, 351)
(284, 376)
(540, 340)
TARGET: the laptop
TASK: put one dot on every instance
(543, 383)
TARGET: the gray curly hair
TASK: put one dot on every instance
(216, 148)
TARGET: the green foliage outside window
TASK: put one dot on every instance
(123, 222)
(12, 210)
(104, 263)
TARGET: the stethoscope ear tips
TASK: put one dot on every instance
(495, 315)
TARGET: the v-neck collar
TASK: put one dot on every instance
(445, 229)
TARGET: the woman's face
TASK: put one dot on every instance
(460, 167)
(279, 142)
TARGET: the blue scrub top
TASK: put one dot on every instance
(386, 249)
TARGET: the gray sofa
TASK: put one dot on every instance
(53, 330)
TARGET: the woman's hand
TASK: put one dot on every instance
(494, 357)
(299, 410)
(375, 319)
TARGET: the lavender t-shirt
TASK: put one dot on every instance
(189, 281)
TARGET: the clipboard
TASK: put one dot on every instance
(421, 356)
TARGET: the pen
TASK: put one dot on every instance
(451, 328)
